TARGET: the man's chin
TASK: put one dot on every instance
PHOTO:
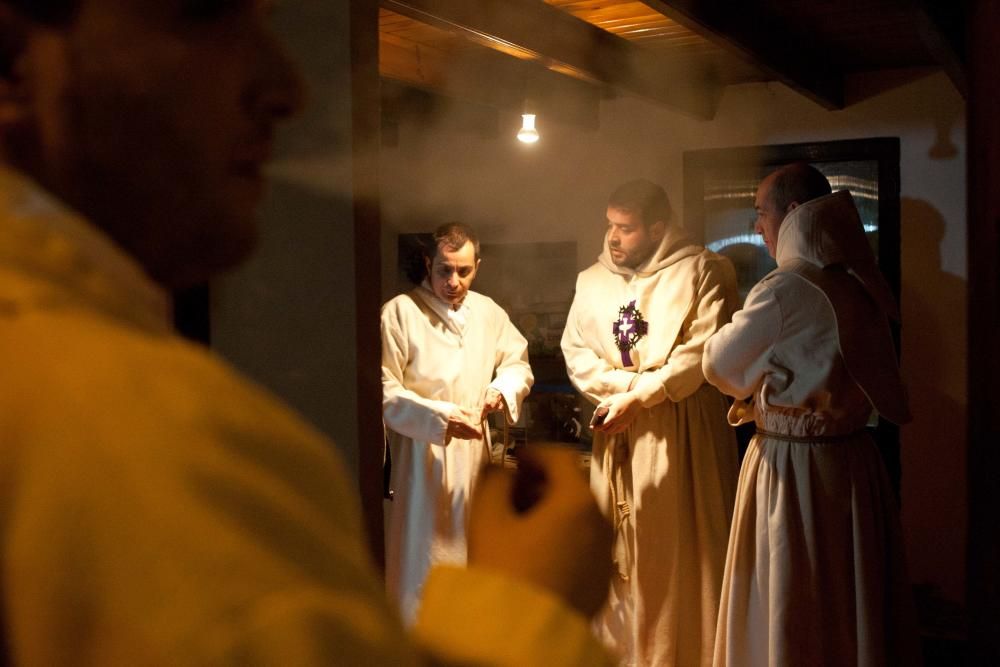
(210, 256)
(622, 262)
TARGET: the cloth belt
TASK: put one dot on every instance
(809, 438)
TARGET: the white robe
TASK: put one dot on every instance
(814, 571)
(430, 364)
(675, 467)
(156, 508)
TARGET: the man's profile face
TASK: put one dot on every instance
(769, 217)
(154, 118)
(452, 272)
(631, 242)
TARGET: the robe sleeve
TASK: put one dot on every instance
(738, 356)
(230, 543)
(404, 411)
(714, 302)
(513, 373)
(502, 622)
(592, 375)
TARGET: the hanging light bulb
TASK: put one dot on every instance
(527, 134)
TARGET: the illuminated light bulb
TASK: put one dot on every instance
(527, 134)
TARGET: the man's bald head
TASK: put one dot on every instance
(782, 191)
(796, 184)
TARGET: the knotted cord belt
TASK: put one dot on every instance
(616, 457)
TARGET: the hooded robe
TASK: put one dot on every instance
(814, 571)
(668, 482)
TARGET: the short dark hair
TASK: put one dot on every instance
(453, 235)
(644, 197)
(798, 182)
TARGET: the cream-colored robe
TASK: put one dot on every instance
(814, 572)
(158, 509)
(430, 364)
(675, 467)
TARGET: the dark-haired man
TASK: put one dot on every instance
(814, 571)
(155, 507)
(664, 459)
(450, 356)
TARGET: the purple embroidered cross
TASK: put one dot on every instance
(629, 328)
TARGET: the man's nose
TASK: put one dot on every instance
(757, 226)
(453, 279)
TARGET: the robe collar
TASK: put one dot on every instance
(69, 260)
(675, 245)
(820, 239)
(827, 231)
(455, 319)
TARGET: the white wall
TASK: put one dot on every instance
(556, 191)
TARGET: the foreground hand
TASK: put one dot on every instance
(494, 402)
(561, 543)
(464, 424)
(622, 411)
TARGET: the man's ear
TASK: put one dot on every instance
(791, 207)
(13, 85)
(657, 230)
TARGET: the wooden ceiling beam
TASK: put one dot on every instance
(777, 49)
(508, 85)
(534, 31)
(942, 29)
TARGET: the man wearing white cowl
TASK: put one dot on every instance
(664, 459)
(814, 570)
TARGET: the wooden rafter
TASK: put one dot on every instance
(509, 84)
(776, 49)
(534, 31)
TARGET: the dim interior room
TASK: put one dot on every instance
(556, 190)
(361, 168)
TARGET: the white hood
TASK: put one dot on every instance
(828, 231)
(822, 240)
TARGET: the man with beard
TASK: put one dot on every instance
(450, 356)
(664, 458)
(156, 507)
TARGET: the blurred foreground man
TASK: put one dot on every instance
(814, 572)
(155, 508)
(664, 458)
(450, 356)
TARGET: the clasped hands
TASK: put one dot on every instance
(466, 423)
(620, 411)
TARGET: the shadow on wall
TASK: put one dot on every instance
(934, 445)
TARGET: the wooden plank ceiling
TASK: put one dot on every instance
(678, 53)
